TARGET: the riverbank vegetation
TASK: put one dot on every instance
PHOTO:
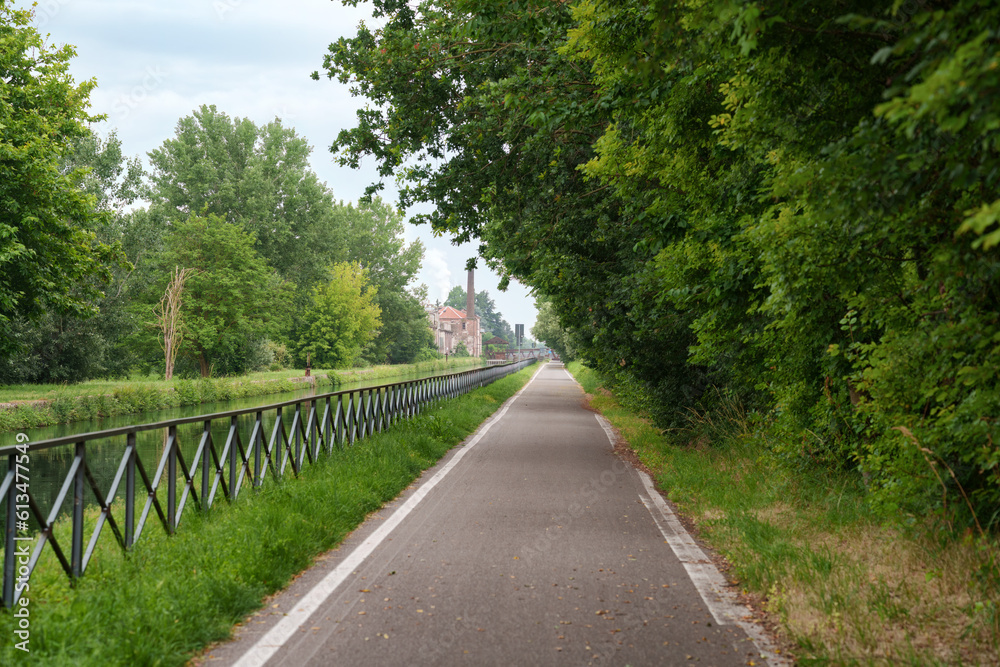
(215, 259)
(794, 204)
(30, 406)
(845, 586)
(238, 297)
(183, 592)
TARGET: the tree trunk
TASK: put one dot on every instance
(169, 320)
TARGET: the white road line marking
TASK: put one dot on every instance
(275, 638)
(608, 431)
(707, 580)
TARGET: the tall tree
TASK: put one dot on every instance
(342, 319)
(373, 236)
(50, 256)
(475, 109)
(232, 300)
(56, 346)
(256, 177)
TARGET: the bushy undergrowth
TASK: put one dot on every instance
(172, 596)
(847, 585)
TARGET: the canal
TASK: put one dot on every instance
(47, 468)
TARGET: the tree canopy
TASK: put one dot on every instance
(255, 177)
(343, 318)
(232, 298)
(548, 330)
(373, 236)
(59, 346)
(258, 179)
(50, 256)
(74, 207)
(797, 203)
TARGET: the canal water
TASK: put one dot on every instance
(47, 468)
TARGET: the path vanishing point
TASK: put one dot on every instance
(531, 544)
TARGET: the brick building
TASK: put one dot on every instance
(452, 326)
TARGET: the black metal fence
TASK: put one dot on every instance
(233, 449)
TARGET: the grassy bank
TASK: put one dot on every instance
(844, 586)
(173, 596)
(32, 406)
(454, 364)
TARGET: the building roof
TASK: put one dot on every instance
(449, 313)
(496, 340)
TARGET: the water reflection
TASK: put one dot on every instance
(48, 468)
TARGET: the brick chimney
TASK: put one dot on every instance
(470, 298)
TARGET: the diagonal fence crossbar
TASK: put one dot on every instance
(303, 430)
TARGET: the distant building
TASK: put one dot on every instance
(452, 326)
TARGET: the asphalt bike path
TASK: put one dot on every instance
(531, 544)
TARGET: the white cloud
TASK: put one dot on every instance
(436, 268)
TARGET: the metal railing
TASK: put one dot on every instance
(298, 435)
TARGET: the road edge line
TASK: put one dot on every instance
(711, 585)
(269, 644)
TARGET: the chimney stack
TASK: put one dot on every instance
(470, 298)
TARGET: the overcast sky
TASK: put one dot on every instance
(156, 61)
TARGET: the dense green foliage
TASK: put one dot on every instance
(56, 346)
(51, 259)
(341, 320)
(797, 203)
(256, 178)
(548, 330)
(232, 300)
(231, 201)
(374, 238)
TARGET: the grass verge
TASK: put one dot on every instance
(172, 596)
(845, 587)
(44, 405)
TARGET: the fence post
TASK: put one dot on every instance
(234, 452)
(76, 557)
(206, 460)
(10, 532)
(171, 479)
(259, 430)
(130, 490)
(297, 428)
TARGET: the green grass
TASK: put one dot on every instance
(60, 404)
(48, 392)
(454, 364)
(36, 392)
(846, 586)
(172, 596)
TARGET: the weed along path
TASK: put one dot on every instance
(532, 544)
